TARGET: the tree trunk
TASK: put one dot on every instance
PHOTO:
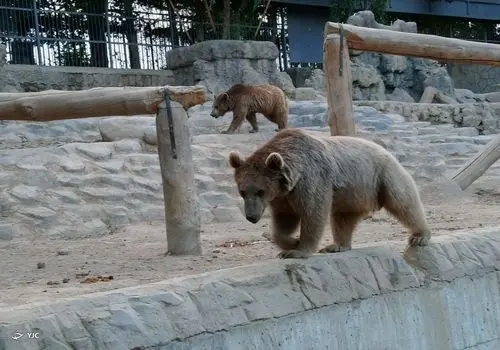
(226, 21)
(97, 32)
(131, 32)
(20, 24)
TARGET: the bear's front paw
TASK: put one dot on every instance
(253, 131)
(293, 254)
(334, 248)
(419, 239)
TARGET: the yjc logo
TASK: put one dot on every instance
(30, 335)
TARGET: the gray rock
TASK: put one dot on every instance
(399, 94)
(8, 231)
(99, 193)
(27, 194)
(316, 80)
(115, 216)
(65, 196)
(305, 94)
(118, 128)
(95, 151)
(283, 81)
(221, 49)
(72, 165)
(364, 75)
(467, 96)
(38, 212)
(367, 19)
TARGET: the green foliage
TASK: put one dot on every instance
(378, 7)
(340, 10)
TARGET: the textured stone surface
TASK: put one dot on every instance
(398, 78)
(89, 177)
(30, 78)
(219, 64)
(485, 117)
(447, 295)
(7, 83)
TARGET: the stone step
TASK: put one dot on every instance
(456, 161)
(454, 148)
(228, 186)
(442, 129)
(483, 139)
(467, 131)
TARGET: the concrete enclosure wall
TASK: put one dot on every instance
(443, 296)
(476, 77)
(27, 78)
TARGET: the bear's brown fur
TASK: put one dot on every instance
(247, 100)
(305, 177)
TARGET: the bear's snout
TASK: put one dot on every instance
(253, 218)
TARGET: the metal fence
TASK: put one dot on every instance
(114, 38)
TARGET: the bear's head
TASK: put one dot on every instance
(260, 180)
(221, 105)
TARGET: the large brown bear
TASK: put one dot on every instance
(247, 100)
(304, 178)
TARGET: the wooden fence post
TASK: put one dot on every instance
(182, 211)
(337, 68)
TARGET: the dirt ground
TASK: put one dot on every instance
(48, 269)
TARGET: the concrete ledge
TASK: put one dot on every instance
(484, 116)
(446, 297)
(39, 78)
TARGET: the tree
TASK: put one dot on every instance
(18, 24)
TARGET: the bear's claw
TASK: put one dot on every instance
(334, 248)
(418, 239)
(293, 254)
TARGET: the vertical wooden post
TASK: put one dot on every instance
(337, 68)
(182, 211)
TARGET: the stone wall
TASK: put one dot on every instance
(475, 77)
(443, 296)
(380, 77)
(27, 78)
(485, 117)
(219, 64)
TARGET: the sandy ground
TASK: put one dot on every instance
(37, 270)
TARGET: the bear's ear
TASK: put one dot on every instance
(224, 96)
(235, 159)
(275, 161)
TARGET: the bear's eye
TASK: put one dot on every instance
(243, 194)
(260, 193)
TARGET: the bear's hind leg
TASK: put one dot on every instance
(402, 200)
(252, 119)
(343, 225)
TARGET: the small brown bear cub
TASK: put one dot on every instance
(305, 177)
(247, 100)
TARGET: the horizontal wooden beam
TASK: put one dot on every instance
(97, 102)
(416, 45)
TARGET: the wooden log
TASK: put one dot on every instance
(428, 95)
(417, 45)
(337, 68)
(97, 102)
(182, 211)
(478, 164)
